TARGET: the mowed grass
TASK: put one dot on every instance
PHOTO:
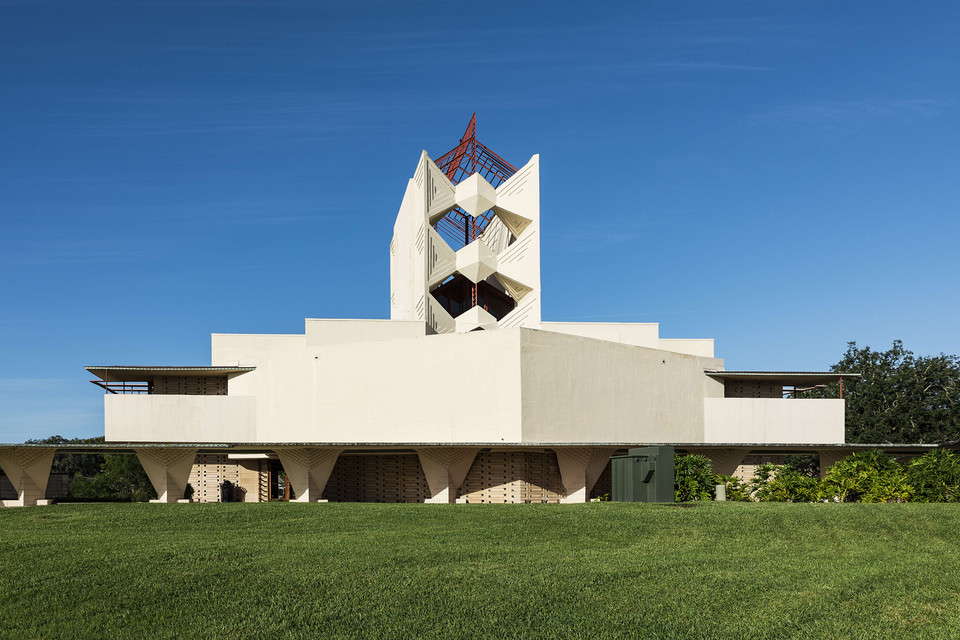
(720, 570)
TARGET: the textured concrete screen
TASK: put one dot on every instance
(377, 478)
(212, 470)
(513, 476)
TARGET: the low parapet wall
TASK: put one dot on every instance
(773, 421)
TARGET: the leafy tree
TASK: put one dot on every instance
(72, 464)
(121, 478)
(98, 476)
(901, 397)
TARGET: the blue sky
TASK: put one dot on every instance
(779, 176)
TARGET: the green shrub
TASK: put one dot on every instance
(736, 490)
(935, 476)
(693, 478)
(866, 476)
(784, 483)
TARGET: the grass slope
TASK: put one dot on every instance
(492, 571)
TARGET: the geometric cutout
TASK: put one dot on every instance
(441, 260)
(437, 317)
(475, 195)
(476, 261)
(516, 223)
(440, 195)
(475, 318)
(516, 289)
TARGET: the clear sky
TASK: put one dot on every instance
(780, 176)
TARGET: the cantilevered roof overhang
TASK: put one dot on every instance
(139, 374)
(409, 447)
(789, 378)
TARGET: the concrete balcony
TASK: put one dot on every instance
(773, 421)
(180, 418)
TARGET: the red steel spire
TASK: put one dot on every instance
(469, 157)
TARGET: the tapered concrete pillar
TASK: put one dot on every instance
(724, 460)
(308, 469)
(27, 469)
(445, 469)
(829, 457)
(168, 469)
(579, 469)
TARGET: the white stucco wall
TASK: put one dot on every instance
(691, 346)
(405, 269)
(503, 386)
(450, 388)
(773, 420)
(640, 334)
(583, 390)
(325, 331)
(172, 418)
(281, 381)
(441, 388)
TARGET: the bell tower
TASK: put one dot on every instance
(465, 253)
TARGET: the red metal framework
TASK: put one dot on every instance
(458, 228)
(124, 387)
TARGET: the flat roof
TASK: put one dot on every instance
(804, 377)
(385, 447)
(137, 374)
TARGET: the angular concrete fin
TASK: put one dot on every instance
(38, 470)
(496, 235)
(520, 194)
(441, 259)
(516, 223)
(445, 469)
(309, 469)
(579, 469)
(526, 314)
(168, 469)
(517, 290)
(438, 318)
(31, 464)
(440, 193)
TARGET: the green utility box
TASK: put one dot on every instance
(643, 475)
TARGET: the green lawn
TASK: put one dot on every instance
(717, 570)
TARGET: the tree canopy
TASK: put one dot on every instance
(100, 476)
(901, 398)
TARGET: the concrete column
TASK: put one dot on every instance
(27, 469)
(168, 469)
(445, 469)
(579, 469)
(829, 457)
(724, 460)
(308, 469)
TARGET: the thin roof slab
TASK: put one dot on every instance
(137, 374)
(787, 377)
